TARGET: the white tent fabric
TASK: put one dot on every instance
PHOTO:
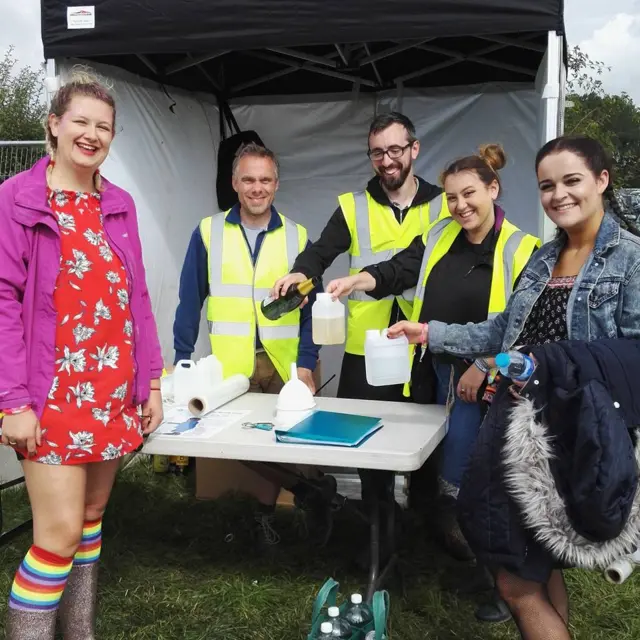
(168, 162)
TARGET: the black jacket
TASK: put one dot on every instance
(560, 462)
(335, 238)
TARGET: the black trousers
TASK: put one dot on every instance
(353, 384)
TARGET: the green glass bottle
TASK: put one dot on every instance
(273, 308)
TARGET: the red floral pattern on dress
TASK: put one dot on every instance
(89, 415)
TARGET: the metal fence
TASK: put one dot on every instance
(18, 156)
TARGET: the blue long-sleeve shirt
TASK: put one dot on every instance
(194, 289)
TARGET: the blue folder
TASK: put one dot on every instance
(329, 428)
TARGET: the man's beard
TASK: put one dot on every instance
(392, 183)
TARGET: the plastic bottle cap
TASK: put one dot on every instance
(356, 598)
(334, 612)
(502, 360)
(326, 628)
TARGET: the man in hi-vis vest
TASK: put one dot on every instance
(232, 260)
(371, 226)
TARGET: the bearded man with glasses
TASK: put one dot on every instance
(371, 226)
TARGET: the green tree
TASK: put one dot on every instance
(614, 120)
(22, 107)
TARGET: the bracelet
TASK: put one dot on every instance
(423, 335)
(17, 410)
(481, 364)
(155, 389)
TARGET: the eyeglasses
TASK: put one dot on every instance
(394, 152)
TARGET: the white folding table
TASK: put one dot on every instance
(410, 434)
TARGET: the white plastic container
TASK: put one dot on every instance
(386, 360)
(209, 372)
(185, 381)
(328, 321)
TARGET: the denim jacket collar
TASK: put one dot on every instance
(607, 238)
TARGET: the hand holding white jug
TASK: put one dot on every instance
(386, 359)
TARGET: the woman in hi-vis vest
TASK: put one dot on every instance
(464, 269)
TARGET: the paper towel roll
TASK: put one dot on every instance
(619, 571)
(212, 399)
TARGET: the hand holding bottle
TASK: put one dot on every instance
(274, 308)
(283, 284)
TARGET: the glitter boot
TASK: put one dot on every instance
(30, 625)
(78, 604)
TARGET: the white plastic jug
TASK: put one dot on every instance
(185, 381)
(209, 372)
(386, 359)
(328, 321)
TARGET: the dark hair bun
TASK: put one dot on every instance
(493, 155)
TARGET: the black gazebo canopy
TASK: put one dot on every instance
(247, 47)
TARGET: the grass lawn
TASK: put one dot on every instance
(169, 572)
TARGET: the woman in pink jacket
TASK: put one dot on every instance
(80, 360)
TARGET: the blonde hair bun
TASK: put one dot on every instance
(81, 74)
(493, 154)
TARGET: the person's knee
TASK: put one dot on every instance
(93, 512)
(514, 590)
(60, 536)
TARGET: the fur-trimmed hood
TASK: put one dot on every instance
(561, 461)
(528, 457)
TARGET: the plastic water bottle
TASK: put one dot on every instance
(325, 632)
(515, 365)
(340, 628)
(358, 614)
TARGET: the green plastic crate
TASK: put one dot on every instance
(328, 597)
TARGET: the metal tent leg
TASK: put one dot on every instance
(7, 536)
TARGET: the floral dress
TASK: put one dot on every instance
(89, 415)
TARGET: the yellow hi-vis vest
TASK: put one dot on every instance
(512, 252)
(236, 289)
(376, 236)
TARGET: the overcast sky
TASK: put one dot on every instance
(607, 31)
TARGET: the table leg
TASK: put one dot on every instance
(374, 545)
(382, 514)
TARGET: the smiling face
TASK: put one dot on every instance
(83, 133)
(256, 182)
(570, 193)
(470, 200)
(393, 172)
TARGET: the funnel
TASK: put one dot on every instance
(295, 395)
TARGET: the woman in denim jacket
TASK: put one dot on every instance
(583, 285)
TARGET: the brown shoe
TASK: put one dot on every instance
(78, 604)
(30, 625)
